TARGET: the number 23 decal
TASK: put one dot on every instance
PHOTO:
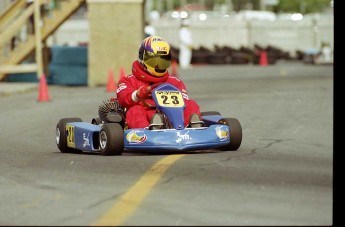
(170, 99)
(166, 100)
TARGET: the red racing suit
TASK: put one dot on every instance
(138, 115)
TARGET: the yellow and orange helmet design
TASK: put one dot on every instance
(155, 55)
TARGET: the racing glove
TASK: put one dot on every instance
(143, 92)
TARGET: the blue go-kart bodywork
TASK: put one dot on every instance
(110, 138)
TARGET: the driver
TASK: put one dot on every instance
(149, 71)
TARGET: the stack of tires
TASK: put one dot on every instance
(228, 55)
(68, 65)
(201, 55)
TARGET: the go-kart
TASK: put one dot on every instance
(108, 134)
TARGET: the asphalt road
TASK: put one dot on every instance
(281, 175)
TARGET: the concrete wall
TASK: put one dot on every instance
(115, 33)
(287, 35)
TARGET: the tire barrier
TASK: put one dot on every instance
(229, 55)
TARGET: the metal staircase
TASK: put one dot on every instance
(14, 18)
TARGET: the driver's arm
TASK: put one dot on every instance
(124, 93)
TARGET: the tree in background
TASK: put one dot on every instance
(302, 6)
(288, 6)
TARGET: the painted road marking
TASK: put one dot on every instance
(131, 200)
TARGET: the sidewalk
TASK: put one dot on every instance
(13, 88)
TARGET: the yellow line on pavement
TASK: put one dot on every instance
(131, 200)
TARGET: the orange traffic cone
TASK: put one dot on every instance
(111, 85)
(263, 58)
(43, 95)
(174, 68)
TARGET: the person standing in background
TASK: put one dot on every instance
(186, 44)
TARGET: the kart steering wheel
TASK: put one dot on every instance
(145, 103)
(148, 104)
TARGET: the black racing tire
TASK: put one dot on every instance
(240, 58)
(208, 113)
(111, 139)
(217, 58)
(235, 133)
(61, 135)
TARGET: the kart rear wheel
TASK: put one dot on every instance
(208, 113)
(235, 133)
(111, 138)
(61, 135)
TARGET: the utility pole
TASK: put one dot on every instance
(183, 3)
(170, 5)
(262, 5)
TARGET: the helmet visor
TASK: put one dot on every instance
(158, 62)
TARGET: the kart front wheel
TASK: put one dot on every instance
(235, 133)
(61, 134)
(111, 138)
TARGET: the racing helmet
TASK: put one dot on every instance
(155, 55)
